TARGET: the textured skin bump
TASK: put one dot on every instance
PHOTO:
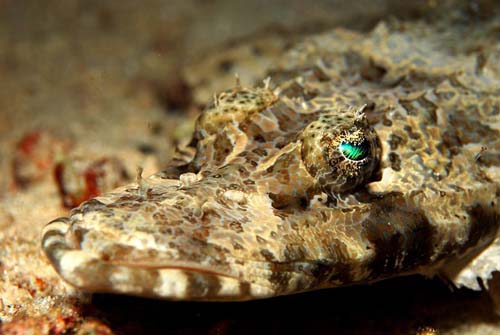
(271, 205)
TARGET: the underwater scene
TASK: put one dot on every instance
(243, 167)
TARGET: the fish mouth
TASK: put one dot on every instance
(171, 279)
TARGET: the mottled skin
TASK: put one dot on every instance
(270, 205)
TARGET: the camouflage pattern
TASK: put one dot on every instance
(269, 204)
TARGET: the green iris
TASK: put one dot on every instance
(355, 152)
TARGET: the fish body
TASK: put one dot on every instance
(365, 158)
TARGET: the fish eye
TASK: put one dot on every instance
(355, 151)
(341, 152)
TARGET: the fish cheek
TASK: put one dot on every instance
(402, 237)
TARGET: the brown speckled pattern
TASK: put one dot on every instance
(270, 206)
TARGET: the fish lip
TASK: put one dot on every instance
(181, 280)
(183, 266)
(56, 233)
(89, 273)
